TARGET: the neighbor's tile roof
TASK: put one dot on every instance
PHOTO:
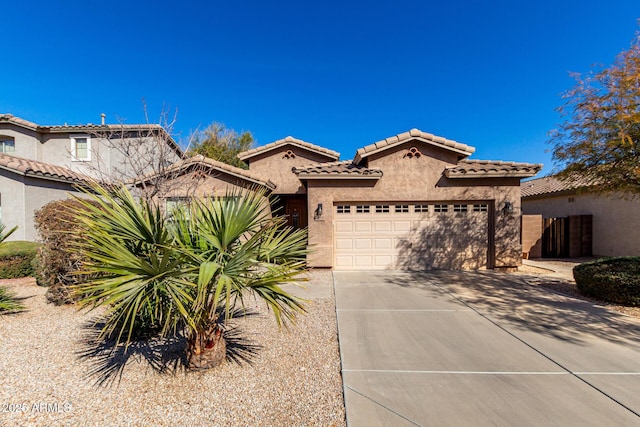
(413, 134)
(489, 168)
(551, 185)
(42, 170)
(292, 141)
(344, 169)
(200, 160)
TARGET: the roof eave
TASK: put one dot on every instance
(363, 153)
(312, 176)
(245, 155)
(457, 175)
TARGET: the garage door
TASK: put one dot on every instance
(411, 236)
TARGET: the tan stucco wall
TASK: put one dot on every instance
(27, 142)
(616, 221)
(273, 165)
(415, 180)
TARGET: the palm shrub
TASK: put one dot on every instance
(8, 302)
(189, 271)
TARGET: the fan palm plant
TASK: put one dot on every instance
(8, 302)
(190, 270)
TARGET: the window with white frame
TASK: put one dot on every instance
(382, 208)
(362, 209)
(480, 207)
(7, 145)
(421, 208)
(460, 208)
(401, 208)
(440, 208)
(81, 148)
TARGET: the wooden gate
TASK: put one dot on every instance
(555, 238)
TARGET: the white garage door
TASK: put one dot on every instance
(411, 236)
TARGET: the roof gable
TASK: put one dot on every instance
(214, 165)
(412, 135)
(289, 140)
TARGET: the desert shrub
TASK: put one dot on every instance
(16, 259)
(57, 262)
(614, 280)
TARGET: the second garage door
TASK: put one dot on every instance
(411, 236)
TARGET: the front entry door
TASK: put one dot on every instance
(296, 212)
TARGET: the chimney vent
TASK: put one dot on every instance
(102, 116)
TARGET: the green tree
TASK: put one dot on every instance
(600, 136)
(221, 143)
(190, 269)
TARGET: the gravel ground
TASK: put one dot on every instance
(539, 277)
(52, 375)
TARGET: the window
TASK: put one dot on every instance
(362, 209)
(482, 207)
(460, 208)
(7, 146)
(401, 208)
(343, 209)
(572, 199)
(421, 208)
(382, 208)
(440, 208)
(81, 148)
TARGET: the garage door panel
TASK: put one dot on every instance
(363, 226)
(382, 225)
(363, 243)
(344, 227)
(411, 240)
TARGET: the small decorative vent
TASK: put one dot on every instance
(413, 152)
(289, 155)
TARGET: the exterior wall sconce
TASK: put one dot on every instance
(507, 209)
(318, 212)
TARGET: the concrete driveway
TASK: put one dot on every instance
(481, 348)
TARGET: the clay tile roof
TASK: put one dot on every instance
(551, 185)
(344, 169)
(200, 160)
(41, 170)
(292, 141)
(428, 138)
(10, 118)
(490, 168)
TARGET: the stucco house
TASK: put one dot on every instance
(411, 201)
(607, 224)
(39, 164)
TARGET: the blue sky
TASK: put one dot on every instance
(335, 73)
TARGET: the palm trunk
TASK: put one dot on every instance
(206, 349)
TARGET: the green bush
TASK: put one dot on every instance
(614, 280)
(56, 262)
(16, 259)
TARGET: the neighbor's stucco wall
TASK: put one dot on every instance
(616, 221)
(23, 196)
(275, 167)
(27, 142)
(12, 203)
(416, 180)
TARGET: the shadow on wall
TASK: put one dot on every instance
(469, 240)
(446, 241)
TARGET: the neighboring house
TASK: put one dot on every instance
(105, 152)
(27, 185)
(411, 201)
(603, 225)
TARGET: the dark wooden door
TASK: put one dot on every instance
(295, 210)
